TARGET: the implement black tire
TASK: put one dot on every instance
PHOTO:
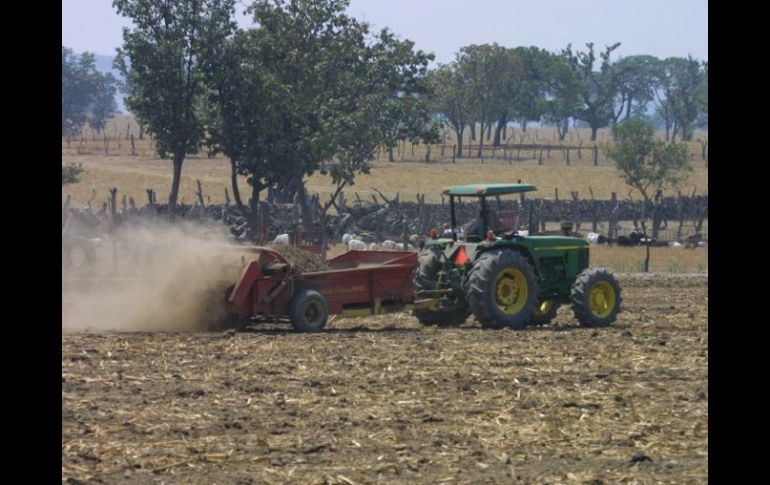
(502, 277)
(309, 311)
(595, 297)
(543, 313)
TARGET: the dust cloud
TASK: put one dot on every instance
(153, 277)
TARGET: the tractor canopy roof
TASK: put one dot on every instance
(478, 190)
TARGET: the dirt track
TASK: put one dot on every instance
(383, 399)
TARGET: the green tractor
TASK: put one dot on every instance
(506, 278)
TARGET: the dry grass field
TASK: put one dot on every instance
(133, 175)
(384, 400)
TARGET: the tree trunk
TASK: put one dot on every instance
(390, 154)
(459, 134)
(489, 131)
(524, 126)
(302, 200)
(473, 131)
(594, 129)
(481, 141)
(234, 183)
(499, 131)
(172, 198)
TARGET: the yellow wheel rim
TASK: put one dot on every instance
(543, 308)
(511, 291)
(601, 299)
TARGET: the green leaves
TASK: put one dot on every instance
(646, 164)
(70, 173)
(164, 80)
(87, 95)
(312, 89)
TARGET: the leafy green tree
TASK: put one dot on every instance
(485, 69)
(680, 94)
(332, 74)
(647, 165)
(528, 86)
(563, 95)
(160, 60)
(634, 86)
(451, 100)
(596, 88)
(80, 86)
(104, 105)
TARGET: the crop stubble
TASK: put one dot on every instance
(384, 399)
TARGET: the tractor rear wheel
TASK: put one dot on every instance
(595, 298)
(501, 289)
(543, 313)
(309, 311)
(442, 319)
(426, 278)
(428, 266)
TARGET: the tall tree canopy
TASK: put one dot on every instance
(328, 93)
(596, 89)
(86, 94)
(161, 61)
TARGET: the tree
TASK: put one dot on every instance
(634, 86)
(680, 94)
(165, 80)
(485, 69)
(451, 100)
(332, 73)
(596, 89)
(648, 166)
(81, 86)
(103, 106)
(527, 85)
(562, 97)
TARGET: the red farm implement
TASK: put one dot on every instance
(357, 283)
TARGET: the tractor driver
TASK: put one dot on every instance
(476, 229)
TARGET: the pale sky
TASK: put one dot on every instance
(662, 28)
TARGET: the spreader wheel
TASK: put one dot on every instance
(543, 313)
(595, 298)
(309, 311)
(501, 289)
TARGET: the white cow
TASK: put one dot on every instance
(592, 238)
(281, 239)
(390, 245)
(676, 245)
(356, 245)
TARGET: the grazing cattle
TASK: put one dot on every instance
(676, 245)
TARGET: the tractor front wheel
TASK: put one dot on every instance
(501, 289)
(595, 298)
